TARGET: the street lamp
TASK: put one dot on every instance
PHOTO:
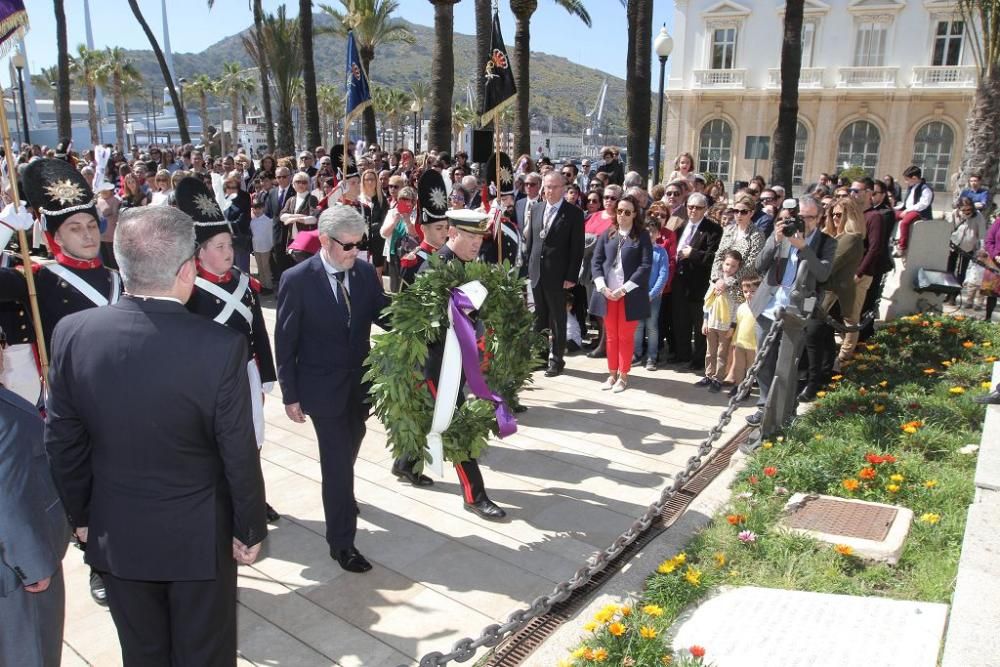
(415, 108)
(18, 61)
(663, 45)
(181, 81)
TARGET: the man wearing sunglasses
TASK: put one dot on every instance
(326, 307)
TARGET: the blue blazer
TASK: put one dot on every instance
(320, 359)
(637, 258)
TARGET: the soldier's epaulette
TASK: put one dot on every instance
(255, 285)
(408, 260)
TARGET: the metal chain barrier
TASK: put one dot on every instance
(465, 649)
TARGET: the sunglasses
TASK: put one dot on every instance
(739, 211)
(345, 246)
(767, 198)
(855, 191)
(692, 207)
(533, 185)
(626, 212)
(836, 215)
(672, 193)
(281, 178)
(659, 216)
(610, 198)
(593, 200)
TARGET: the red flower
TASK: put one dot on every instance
(753, 479)
(867, 473)
(697, 651)
(889, 458)
(874, 459)
(770, 471)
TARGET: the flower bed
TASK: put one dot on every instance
(892, 428)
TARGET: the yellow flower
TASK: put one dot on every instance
(590, 626)
(986, 344)
(667, 659)
(626, 610)
(563, 662)
(990, 359)
(896, 478)
(667, 566)
(720, 559)
(600, 654)
(883, 384)
(930, 484)
(985, 385)
(653, 610)
(946, 363)
(910, 429)
(930, 518)
(588, 654)
(820, 394)
(892, 488)
(957, 390)
(617, 629)
(837, 378)
(578, 653)
(693, 576)
(818, 436)
(879, 408)
(603, 616)
(680, 558)
(646, 632)
(767, 444)
(843, 550)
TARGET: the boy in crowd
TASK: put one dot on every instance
(719, 324)
(744, 337)
(261, 232)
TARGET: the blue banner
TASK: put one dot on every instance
(359, 95)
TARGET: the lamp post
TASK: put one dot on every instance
(180, 86)
(18, 61)
(152, 94)
(415, 108)
(663, 45)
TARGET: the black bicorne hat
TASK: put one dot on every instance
(54, 188)
(433, 197)
(348, 169)
(194, 198)
(506, 173)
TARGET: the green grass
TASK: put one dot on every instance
(888, 429)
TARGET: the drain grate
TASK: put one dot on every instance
(836, 517)
(516, 648)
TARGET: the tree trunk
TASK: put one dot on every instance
(368, 115)
(309, 75)
(640, 31)
(119, 113)
(788, 107)
(981, 153)
(522, 56)
(182, 125)
(64, 121)
(95, 135)
(484, 32)
(265, 73)
(286, 138)
(234, 116)
(203, 110)
(442, 74)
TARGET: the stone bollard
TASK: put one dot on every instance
(928, 249)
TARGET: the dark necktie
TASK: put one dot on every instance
(343, 298)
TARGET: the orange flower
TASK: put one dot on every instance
(862, 391)
(697, 651)
(770, 471)
(867, 473)
(735, 519)
(929, 371)
(600, 655)
(617, 629)
(851, 484)
(843, 550)
(968, 344)
(879, 408)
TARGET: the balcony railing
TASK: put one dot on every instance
(944, 77)
(867, 77)
(810, 77)
(720, 78)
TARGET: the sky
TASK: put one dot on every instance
(193, 27)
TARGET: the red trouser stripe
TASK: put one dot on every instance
(466, 484)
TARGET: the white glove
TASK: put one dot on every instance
(20, 220)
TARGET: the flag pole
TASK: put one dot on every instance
(496, 152)
(22, 240)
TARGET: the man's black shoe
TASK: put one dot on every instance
(97, 590)
(413, 478)
(486, 509)
(715, 386)
(808, 394)
(598, 352)
(992, 398)
(704, 382)
(756, 418)
(350, 560)
(554, 369)
(272, 516)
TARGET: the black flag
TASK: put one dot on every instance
(500, 88)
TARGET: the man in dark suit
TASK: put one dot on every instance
(555, 253)
(778, 265)
(280, 194)
(326, 307)
(168, 483)
(33, 538)
(697, 241)
(532, 195)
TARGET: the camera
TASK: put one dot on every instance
(793, 225)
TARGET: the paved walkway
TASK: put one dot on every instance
(583, 464)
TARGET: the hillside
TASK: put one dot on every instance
(560, 88)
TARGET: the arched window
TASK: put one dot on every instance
(858, 146)
(715, 149)
(799, 159)
(932, 152)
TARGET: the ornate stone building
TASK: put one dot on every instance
(885, 84)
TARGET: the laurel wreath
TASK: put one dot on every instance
(509, 351)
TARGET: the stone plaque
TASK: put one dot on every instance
(765, 627)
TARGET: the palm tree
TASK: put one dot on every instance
(981, 152)
(63, 119)
(167, 78)
(638, 79)
(397, 108)
(788, 106)
(442, 74)
(331, 109)
(484, 33)
(309, 75)
(372, 23)
(85, 68)
(236, 84)
(420, 92)
(283, 50)
(202, 85)
(463, 115)
(299, 102)
(256, 53)
(523, 9)
(379, 105)
(119, 70)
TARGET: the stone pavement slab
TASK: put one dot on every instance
(583, 464)
(763, 627)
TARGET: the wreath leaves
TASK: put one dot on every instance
(509, 347)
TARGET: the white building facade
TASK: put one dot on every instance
(884, 84)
